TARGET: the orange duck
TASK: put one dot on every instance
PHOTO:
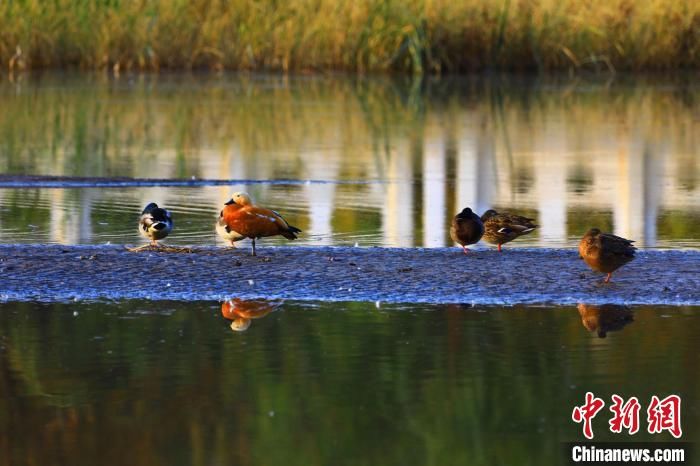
(240, 312)
(241, 219)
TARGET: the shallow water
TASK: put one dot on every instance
(342, 383)
(620, 154)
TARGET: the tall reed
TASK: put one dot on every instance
(361, 35)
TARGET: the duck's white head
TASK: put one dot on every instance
(240, 199)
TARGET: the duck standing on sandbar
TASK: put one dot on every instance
(604, 252)
(503, 228)
(467, 228)
(241, 219)
(155, 223)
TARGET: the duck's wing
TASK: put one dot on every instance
(267, 215)
(269, 223)
(513, 221)
(612, 239)
(612, 245)
(289, 229)
(521, 221)
(510, 224)
(161, 215)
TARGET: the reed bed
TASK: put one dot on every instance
(429, 36)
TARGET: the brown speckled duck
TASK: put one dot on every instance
(503, 228)
(467, 228)
(604, 252)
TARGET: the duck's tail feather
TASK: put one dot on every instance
(291, 232)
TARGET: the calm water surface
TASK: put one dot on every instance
(343, 383)
(620, 154)
(367, 161)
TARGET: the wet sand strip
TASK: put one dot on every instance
(516, 276)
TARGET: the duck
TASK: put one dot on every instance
(467, 228)
(604, 318)
(240, 219)
(605, 252)
(241, 312)
(501, 228)
(155, 223)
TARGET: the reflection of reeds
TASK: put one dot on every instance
(364, 35)
(105, 130)
(270, 127)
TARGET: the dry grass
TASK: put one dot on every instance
(361, 35)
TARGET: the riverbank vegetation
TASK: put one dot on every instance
(429, 36)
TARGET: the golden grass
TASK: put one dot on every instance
(360, 35)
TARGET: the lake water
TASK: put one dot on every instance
(149, 383)
(372, 161)
(367, 161)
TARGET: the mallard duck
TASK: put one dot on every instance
(155, 223)
(604, 252)
(241, 312)
(503, 228)
(467, 228)
(240, 219)
(604, 318)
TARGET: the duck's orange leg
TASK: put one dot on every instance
(607, 279)
(499, 248)
(465, 249)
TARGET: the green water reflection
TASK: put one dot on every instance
(169, 383)
(623, 152)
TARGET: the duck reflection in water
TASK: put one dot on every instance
(241, 312)
(604, 318)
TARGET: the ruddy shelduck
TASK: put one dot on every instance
(240, 219)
